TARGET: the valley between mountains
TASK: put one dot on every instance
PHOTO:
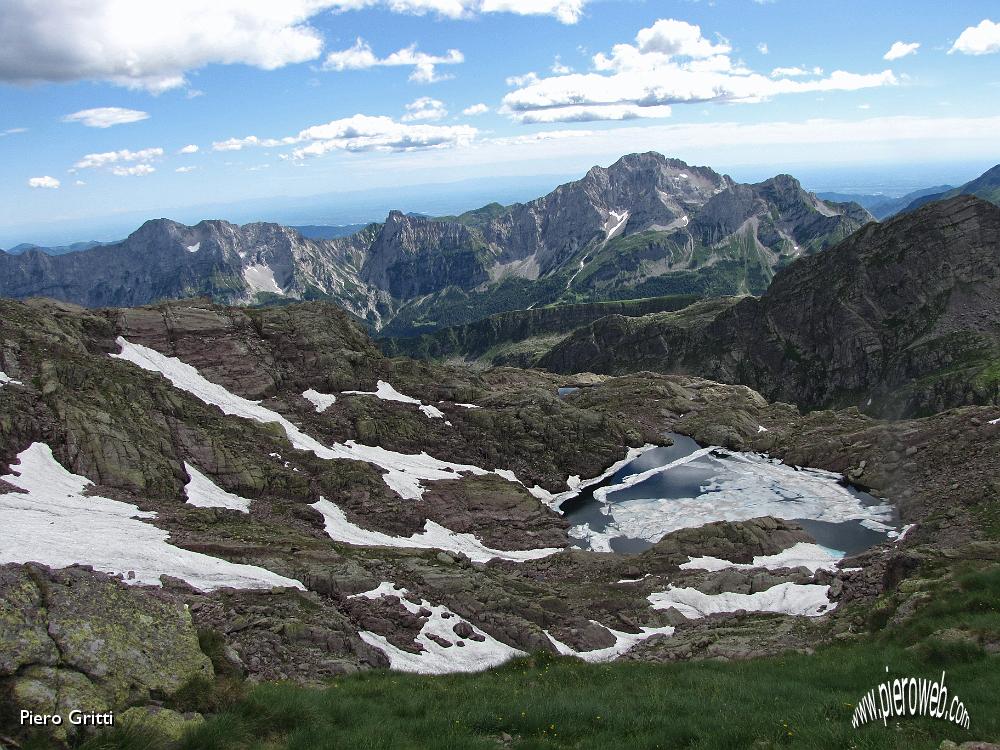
(756, 427)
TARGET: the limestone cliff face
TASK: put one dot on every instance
(645, 226)
(901, 314)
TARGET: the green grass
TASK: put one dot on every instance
(794, 701)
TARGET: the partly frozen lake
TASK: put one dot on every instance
(686, 485)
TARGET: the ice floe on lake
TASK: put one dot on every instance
(434, 536)
(472, 654)
(711, 484)
(204, 493)
(807, 599)
(53, 522)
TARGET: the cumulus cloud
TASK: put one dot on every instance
(109, 158)
(361, 57)
(136, 170)
(795, 71)
(566, 11)
(360, 133)
(475, 109)
(983, 39)
(671, 62)
(367, 133)
(763, 48)
(44, 182)
(523, 80)
(425, 108)
(901, 49)
(151, 45)
(189, 149)
(106, 117)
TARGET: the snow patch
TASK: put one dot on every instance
(471, 656)
(803, 554)
(616, 220)
(204, 493)
(404, 472)
(623, 642)
(635, 580)
(260, 278)
(995, 421)
(761, 428)
(434, 536)
(4, 380)
(385, 392)
(54, 523)
(901, 534)
(322, 401)
(194, 248)
(577, 485)
(807, 599)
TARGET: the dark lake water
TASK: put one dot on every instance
(711, 485)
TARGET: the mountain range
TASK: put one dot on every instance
(645, 226)
(899, 319)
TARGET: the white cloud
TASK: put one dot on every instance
(559, 68)
(425, 108)
(189, 149)
(523, 80)
(185, 170)
(13, 131)
(901, 49)
(361, 57)
(44, 182)
(566, 11)
(136, 170)
(592, 112)
(796, 71)
(151, 45)
(360, 133)
(106, 117)
(983, 39)
(367, 133)
(107, 158)
(475, 109)
(79, 183)
(671, 62)
(762, 48)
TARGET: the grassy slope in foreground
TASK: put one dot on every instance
(798, 700)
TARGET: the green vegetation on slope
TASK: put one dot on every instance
(796, 701)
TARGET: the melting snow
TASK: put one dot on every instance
(471, 656)
(322, 401)
(807, 599)
(260, 278)
(404, 472)
(635, 580)
(54, 523)
(434, 536)
(386, 392)
(204, 493)
(4, 380)
(623, 642)
(995, 421)
(901, 534)
(194, 248)
(761, 428)
(804, 554)
(576, 485)
(615, 222)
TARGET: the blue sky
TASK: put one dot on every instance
(307, 97)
